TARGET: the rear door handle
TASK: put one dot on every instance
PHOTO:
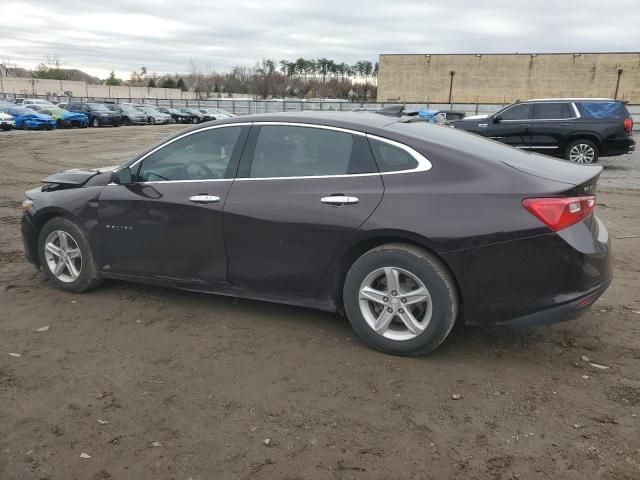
(340, 200)
(204, 199)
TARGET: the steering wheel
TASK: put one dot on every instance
(196, 170)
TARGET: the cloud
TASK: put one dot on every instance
(164, 35)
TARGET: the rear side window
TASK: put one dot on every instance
(603, 110)
(553, 111)
(391, 158)
(292, 151)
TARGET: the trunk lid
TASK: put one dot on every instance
(584, 178)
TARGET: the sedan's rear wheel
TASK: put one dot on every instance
(66, 257)
(582, 151)
(400, 299)
(95, 122)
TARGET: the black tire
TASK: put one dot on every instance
(59, 124)
(95, 122)
(194, 120)
(435, 277)
(584, 144)
(89, 273)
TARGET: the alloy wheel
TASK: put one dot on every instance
(395, 303)
(582, 153)
(63, 256)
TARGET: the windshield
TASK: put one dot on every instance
(129, 109)
(150, 110)
(53, 109)
(98, 107)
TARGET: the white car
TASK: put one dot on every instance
(155, 117)
(27, 102)
(6, 121)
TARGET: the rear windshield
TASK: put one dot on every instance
(602, 110)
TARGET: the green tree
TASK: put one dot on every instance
(112, 80)
(50, 69)
(151, 83)
(181, 85)
(168, 83)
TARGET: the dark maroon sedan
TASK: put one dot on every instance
(404, 227)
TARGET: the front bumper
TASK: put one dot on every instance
(36, 124)
(28, 240)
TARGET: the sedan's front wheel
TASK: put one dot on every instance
(400, 299)
(66, 257)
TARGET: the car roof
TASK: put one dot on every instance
(361, 121)
(576, 99)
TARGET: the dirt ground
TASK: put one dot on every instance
(240, 389)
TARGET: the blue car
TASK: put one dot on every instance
(26, 118)
(63, 118)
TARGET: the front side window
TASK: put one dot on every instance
(517, 112)
(553, 111)
(203, 155)
(292, 151)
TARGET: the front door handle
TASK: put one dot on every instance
(204, 199)
(340, 200)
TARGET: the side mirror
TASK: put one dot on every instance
(497, 119)
(122, 177)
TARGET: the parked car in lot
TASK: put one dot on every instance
(426, 113)
(6, 121)
(176, 115)
(194, 115)
(30, 102)
(98, 113)
(63, 118)
(212, 114)
(28, 119)
(405, 227)
(155, 116)
(578, 129)
(128, 114)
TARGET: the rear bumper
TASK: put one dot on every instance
(561, 313)
(618, 146)
(535, 280)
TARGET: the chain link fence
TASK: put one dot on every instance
(246, 107)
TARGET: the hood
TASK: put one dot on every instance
(75, 177)
(4, 116)
(39, 116)
(72, 115)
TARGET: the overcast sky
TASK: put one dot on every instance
(123, 35)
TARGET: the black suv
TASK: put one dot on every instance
(98, 113)
(578, 129)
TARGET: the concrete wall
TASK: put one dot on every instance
(503, 78)
(28, 86)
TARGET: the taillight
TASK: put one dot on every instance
(562, 212)
(628, 125)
